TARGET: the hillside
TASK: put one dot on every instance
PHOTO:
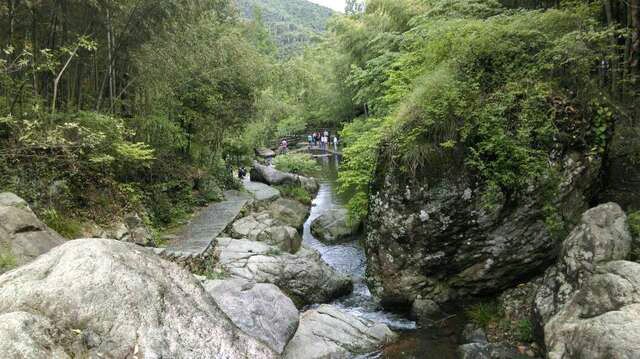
(292, 23)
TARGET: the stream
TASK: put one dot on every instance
(349, 258)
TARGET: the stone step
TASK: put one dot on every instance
(193, 246)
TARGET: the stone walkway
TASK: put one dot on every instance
(197, 238)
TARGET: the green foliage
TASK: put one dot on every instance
(292, 23)
(8, 260)
(471, 87)
(524, 331)
(298, 163)
(297, 193)
(362, 137)
(483, 314)
(67, 227)
(634, 223)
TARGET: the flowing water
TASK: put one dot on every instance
(349, 258)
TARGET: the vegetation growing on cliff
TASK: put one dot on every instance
(476, 87)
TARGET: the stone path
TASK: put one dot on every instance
(197, 238)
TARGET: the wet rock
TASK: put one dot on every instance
(23, 237)
(260, 310)
(328, 332)
(473, 334)
(601, 236)
(602, 319)
(441, 243)
(304, 276)
(426, 311)
(334, 226)
(488, 351)
(125, 301)
(478, 347)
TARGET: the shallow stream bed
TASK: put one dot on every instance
(349, 258)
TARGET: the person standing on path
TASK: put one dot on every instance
(335, 143)
(310, 140)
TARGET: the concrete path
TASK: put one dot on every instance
(199, 235)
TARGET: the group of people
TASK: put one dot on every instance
(322, 140)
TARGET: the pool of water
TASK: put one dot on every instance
(349, 258)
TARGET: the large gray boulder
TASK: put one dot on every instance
(289, 212)
(602, 320)
(601, 236)
(124, 301)
(261, 192)
(334, 226)
(273, 177)
(328, 332)
(23, 237)
(304, 276)
(263, 228)
(260, 310)
(433, 236)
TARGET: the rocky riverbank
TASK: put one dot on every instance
(97, 297)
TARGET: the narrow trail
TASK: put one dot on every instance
(199, 235)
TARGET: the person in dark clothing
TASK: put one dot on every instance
(242, 173)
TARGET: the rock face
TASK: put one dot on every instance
(273, 177)
(304, 276)
(439, 242)
(26, 335)
(601, 236)
(602, 320)
(262, 227)
(327, 332)
(334, 226)
(622, 175)
(23, 236)
(123, 301)
(260, 310)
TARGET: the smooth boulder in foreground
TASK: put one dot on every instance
(122, 301)
(259, 309)
(328, 332)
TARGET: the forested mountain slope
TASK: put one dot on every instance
(292, 23)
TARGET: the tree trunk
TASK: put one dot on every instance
(110, 59)
(613, 76)
(634, 59)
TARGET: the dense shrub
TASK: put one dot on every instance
(298, 163)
